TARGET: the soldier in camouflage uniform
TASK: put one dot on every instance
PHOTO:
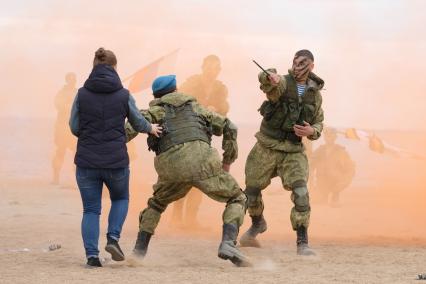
(185, 159)
(212, 94)
(292, 111)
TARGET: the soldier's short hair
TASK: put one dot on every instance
(306, 53)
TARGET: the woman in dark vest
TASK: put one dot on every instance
(98, 116)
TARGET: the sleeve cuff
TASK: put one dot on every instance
(314, 136)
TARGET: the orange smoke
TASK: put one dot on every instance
(372, 68)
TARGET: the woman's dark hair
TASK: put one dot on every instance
(104, 56)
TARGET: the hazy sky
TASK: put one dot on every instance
(370, 53)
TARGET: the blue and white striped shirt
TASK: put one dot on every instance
(301, 89)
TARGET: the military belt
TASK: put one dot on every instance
(281, 135)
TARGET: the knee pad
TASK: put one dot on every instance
(240, 199)
(252, 193)
(152, 203)
(301, 199)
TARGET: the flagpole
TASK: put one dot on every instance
(131, 76)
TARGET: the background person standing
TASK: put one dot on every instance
(62, 137)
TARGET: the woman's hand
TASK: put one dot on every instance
(156, 130)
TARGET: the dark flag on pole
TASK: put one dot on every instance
(142, 79)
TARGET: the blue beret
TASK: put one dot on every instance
(164, 84)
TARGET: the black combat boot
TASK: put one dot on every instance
(93, 262)
(228, 248)
(114, 249)
(258, 226)
(302, 242)
(142, 242)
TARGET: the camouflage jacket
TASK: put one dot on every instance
(197, 159)
(273, 94)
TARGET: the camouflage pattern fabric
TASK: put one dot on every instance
(193, 164)
(263, 164)
(299, 218)
(314, 83)
(270, 158)
(222, 188)
(221, 125)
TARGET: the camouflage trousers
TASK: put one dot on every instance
(222, 188)
(262, 165)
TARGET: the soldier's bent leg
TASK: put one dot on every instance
(150, 216)
(227, 248)
(164, 194)
(300, 215)
(235, 210)
(258, 226)
(232, 220)
(261, 167)
(148, 221)
(294, 172)
(224, 188)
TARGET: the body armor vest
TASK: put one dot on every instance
(180, 125)
(280, 117)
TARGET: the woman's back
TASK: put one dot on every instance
(103, 108)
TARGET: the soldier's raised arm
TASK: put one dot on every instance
(272, 85)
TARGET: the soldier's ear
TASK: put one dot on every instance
(312, 66)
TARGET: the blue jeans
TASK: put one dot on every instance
(90, 182)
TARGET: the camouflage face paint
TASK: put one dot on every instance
(301, 68)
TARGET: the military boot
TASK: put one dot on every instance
(142, 242)
(228, 248)
(302, 242)
(258, 226)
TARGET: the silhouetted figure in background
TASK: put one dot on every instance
(332, 170)
(212, 94)
(62, 136)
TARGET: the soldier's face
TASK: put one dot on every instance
(211, 69)
(302, 63)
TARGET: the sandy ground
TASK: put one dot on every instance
(377, 235)
(34, 217)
